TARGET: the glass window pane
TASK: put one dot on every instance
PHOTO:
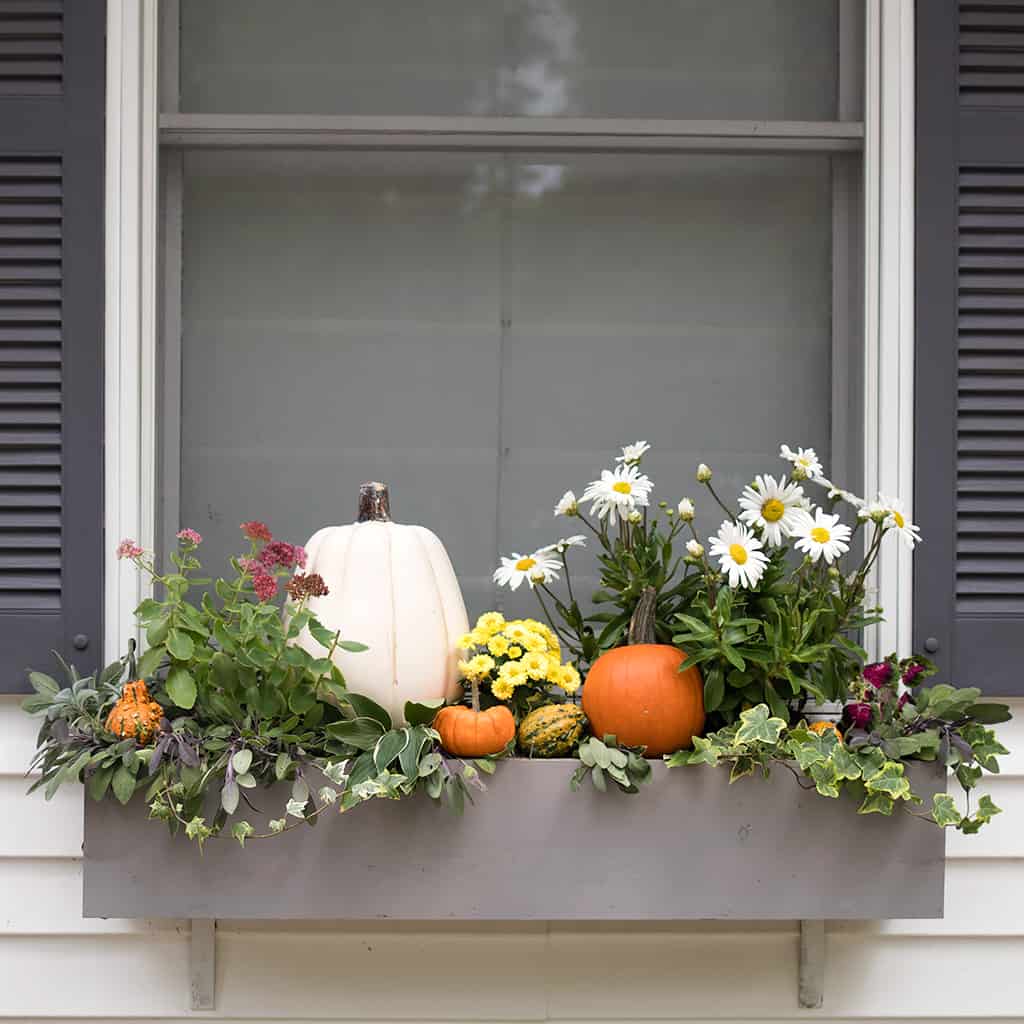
(482, 332)
(770, 59)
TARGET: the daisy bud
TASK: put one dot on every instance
(695, 548)
(833, 573)
(798, 473)
(703, 473)
(636, 516)
(686, 510)
(662, 504)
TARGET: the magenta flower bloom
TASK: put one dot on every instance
(913, 671)
(128, 549)
(190, 536)
(878, 674)
(264, 585)
(858, 715)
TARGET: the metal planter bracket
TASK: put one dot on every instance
(202, 963)
(811, 979)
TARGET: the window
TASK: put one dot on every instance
(472, 251)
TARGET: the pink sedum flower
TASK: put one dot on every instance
(255, 530)
(190, 536)
(264, 585)
(128, 549)
(281, 554)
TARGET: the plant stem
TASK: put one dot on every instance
(725, 508)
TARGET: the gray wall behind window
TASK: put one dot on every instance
(482, 332)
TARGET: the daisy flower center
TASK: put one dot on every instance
(738, 553)
(773, 510)
(898, 519)
(526, 563)
(820, 535)
(623, 487)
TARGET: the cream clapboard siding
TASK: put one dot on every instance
(56, 966)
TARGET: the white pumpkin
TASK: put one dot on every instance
(392, 587)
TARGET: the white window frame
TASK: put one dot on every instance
(133, 267)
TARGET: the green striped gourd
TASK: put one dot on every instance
(552, 730)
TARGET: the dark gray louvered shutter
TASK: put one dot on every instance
(52, 67)
(969, 574)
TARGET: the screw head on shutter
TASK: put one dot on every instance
(81, 641)
(931, 645)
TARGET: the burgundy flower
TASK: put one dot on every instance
(301, 586)
(858, 715)
(878, 674)
(912, 672)
(193, 537)
(279, 553)
(904, 697)
(264, 585)
(128, 549)
(255, 530)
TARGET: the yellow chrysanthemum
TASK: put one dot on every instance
(502, 689)
(570, 679)
(514, 673)
(480, 637)
(516, 632)
(479, 667)
(498, 645)
(515, 651)
(535, 642)
(465, 642)
(536, 665)
(490, 622)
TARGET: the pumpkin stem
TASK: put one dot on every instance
(641, 625)
(132, 670)
(474, 695)
(374, 503)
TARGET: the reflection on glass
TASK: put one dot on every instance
(771, 59)
(482, 332)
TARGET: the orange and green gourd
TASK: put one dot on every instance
(135, 714)
(552, 730)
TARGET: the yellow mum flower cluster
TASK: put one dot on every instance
(520, 652)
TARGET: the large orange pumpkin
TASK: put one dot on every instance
(468, 733)
(638, 693)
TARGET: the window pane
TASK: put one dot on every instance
(482, 332)
(771, 59)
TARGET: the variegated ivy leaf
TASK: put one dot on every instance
(327, 794)
(844, 764)
(704, 752)
(296, 808)
(889, 779)
(876, 803)
(337, 772)
(241, 830)
(277, 825)
(825, 781)
(758, 726)
(987, 810)
(740, 767)
(944, 810)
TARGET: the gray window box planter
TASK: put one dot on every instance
(689, 846)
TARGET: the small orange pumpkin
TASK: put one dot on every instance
(638, 693)
(135, 713)
(820, 727)
(468, 733)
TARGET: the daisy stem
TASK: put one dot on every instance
(551, 622)
(568, 577)
(721, 504)
(593, 529)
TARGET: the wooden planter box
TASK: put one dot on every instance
(689, 846)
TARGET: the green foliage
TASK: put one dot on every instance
(868, 765)
(603, 760)
(245, 707)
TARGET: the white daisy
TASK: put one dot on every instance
(567, 505)
(618, 492)
(633, 453)
(739, 554)
(891, 513)
(686, 510)
(563, 545)
(804, 459)
(822, 535)
(539, 567)
(835, 491)
(773, 505)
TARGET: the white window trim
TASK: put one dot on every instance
(132, 147)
